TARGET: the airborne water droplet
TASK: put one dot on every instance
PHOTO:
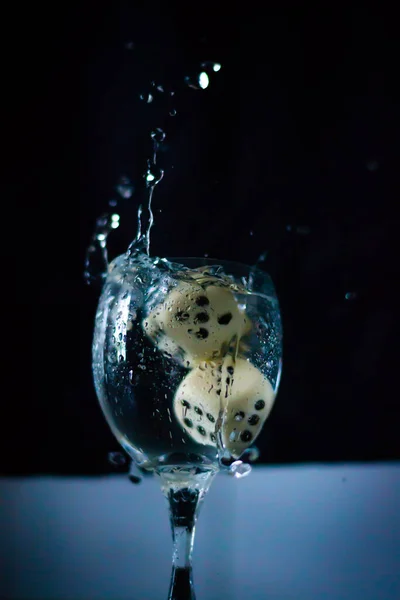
(146, 97)
(158, 135)
(125, 187)
(117, 459)
(153, 175)
(199, 82)
(351, 295)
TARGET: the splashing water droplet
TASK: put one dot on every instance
(303, 230)
(203, 80)
(350, 295)
(158, 135)
(146, 97)
(96, 260)
(239, 469)
(200, 82)
(211, 66)
(115, 221)
(251, 454)
(300, 229)
(372, 165)
(117, 459)
(153, 175)
(125, 187)
(263, 257)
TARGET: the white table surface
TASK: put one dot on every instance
(307, 532)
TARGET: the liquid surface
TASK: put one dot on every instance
(167, 341)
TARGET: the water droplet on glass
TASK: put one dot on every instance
(124, 187)
(239, 469)
(158, 135)
(117, 459)
(351, 295)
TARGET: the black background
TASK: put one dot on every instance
(296, 140)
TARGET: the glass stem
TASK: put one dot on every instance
(185, 492)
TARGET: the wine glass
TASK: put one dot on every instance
(186, 363)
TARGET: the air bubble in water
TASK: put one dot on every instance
(239, 469)
(125, 187)
(158, 135)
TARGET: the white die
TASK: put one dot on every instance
(202, 322)
(237, 388)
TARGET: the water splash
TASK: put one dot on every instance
(350, 296)
(96, 260)
(153, 176)
(262, 258)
